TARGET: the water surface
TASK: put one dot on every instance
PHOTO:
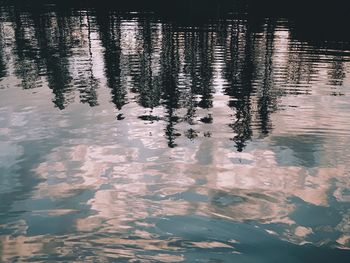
(126, 137)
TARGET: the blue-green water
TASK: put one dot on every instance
(126, 137)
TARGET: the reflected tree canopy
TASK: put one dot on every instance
(165, 64)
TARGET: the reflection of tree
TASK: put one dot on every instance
(198, 62)
(266, 97)
(205, 72)
(109, 29)
(146, 80)
(2, 55)
(240, 70)
(43, 44)
(301, 70)
(168, 66)
(169, 69)
(27, 64)
(336, 72)
(54, 38)
(85, 80)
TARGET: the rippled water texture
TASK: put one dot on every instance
(129, 138)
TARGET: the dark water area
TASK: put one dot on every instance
(136, 132)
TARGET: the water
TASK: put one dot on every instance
(128, 137)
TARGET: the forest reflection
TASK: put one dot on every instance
(178, 68)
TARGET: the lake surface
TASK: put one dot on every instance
(129, 137)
